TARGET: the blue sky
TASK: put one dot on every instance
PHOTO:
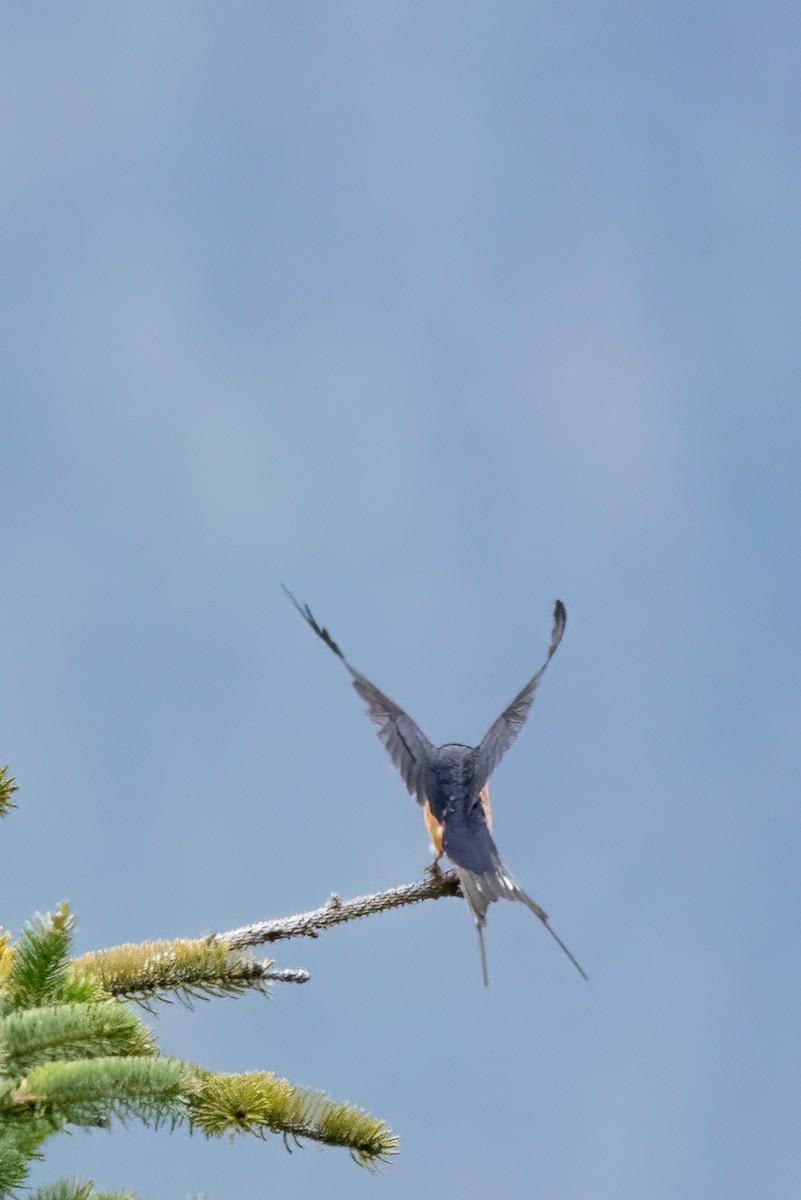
(437, 312)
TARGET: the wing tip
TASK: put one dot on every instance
(309, 618)
(559, 623)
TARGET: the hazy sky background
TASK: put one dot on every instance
(437, 312)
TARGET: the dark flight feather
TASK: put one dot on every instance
(501, 735)
(408, 746)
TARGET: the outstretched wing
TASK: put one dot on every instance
(408, 746)
(511, 721)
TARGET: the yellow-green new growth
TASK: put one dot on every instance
(73, 1054)
(258, 1101)
(186, 968)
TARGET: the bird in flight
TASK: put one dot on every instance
(451, 784)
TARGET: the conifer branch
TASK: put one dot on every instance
(86, 1091)
(190, 969)
(258, 1103)
(8, 786)
(61, 1032)
(432, 886)
(68, 1189)
(13, 1162)
(214, 965)
(39, 964)
(72, 1054)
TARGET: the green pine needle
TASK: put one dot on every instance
(13, 1163)
(71, 1053)
(63, 1032)
(185, 968)
(68, 1189)
(258, 1102)
(65, 1189)
(8, 786)
(40, 960)
(88, 1091)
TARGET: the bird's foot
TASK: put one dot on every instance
(433, 872)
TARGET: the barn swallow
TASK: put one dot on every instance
(450, 782)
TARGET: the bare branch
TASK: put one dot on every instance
(288, 975)
(432, 886)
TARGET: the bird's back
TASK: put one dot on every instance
(454, 798)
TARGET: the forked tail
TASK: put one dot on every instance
(481, 890)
